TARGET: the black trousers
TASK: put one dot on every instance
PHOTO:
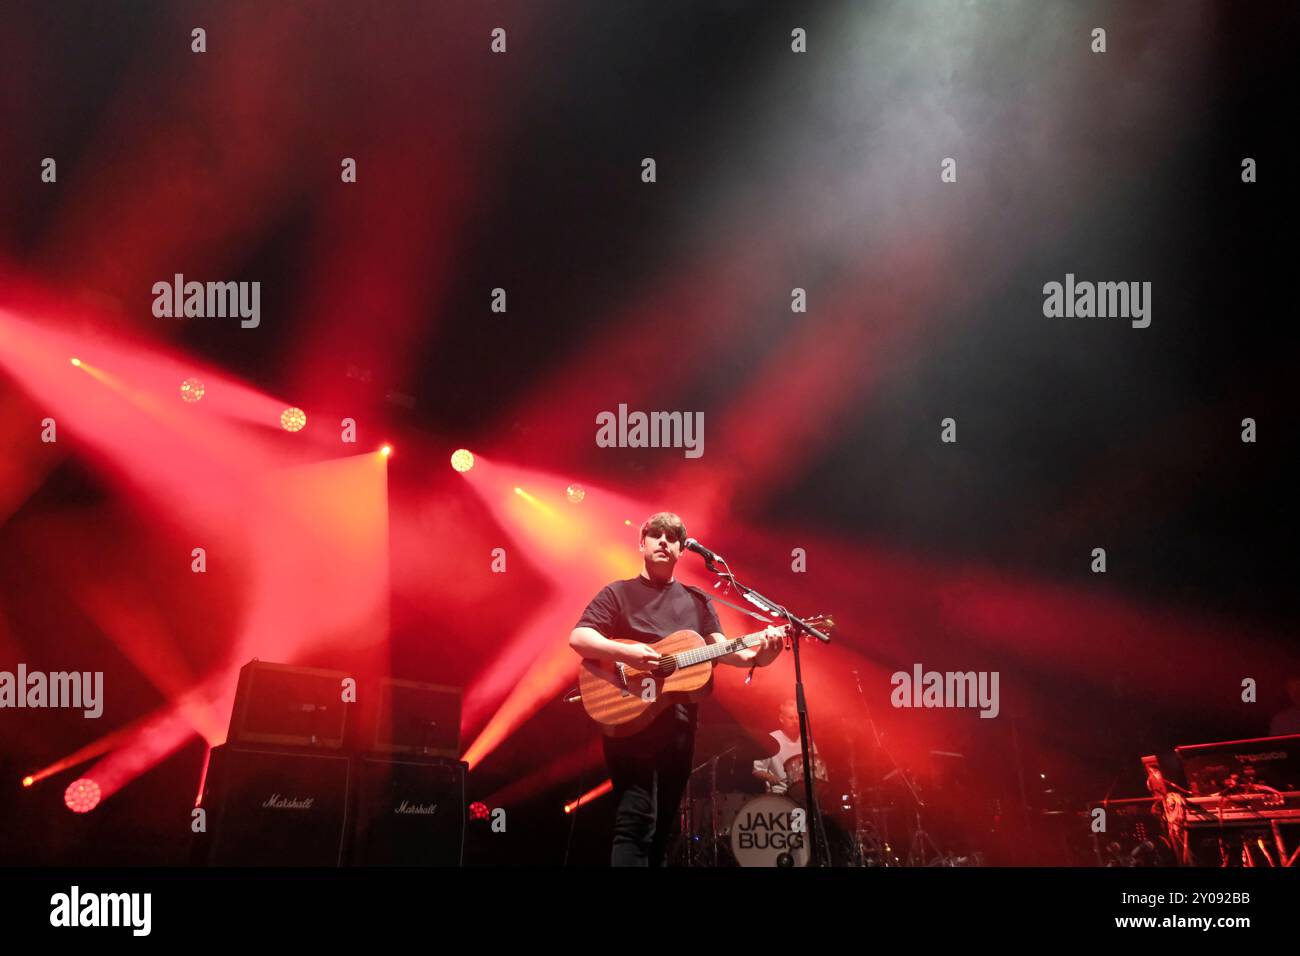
(649, 771)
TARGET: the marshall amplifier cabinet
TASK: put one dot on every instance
(409, 812)
(289, 706)
(408, 717)
(268, 807)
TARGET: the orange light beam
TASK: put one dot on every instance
(590, 795)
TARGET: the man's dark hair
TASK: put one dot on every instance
(664, 521)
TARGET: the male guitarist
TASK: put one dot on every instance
(650, 768)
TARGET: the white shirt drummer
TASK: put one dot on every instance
(772, 770)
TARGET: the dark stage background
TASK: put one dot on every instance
(522, 171)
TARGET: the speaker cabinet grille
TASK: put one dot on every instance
(289, 706)
(273, 808)
(415, 718)
(409, 813)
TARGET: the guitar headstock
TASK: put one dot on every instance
(823, 622)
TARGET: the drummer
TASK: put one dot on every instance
(772, 770)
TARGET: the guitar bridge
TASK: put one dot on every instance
(621, 669)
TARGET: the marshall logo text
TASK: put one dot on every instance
(278, 802)
(407, 807)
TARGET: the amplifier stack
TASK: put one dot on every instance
(300, 782)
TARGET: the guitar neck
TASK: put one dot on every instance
(713, 651)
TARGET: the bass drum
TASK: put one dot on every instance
(770, 830)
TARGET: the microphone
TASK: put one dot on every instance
(692, 545)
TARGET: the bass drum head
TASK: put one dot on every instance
(770, 830)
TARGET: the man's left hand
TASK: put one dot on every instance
(772, 646)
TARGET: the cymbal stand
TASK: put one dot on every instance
(868, 839)
(712, 764)
(879, 822)
(916, 853)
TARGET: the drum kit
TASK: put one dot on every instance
(727, 819)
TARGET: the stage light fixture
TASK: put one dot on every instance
(478, 810)
(462, 459)
(82, 795)
(28, 781)
(386, 450)
(575, 494)
(76, 362)
(293, 419)
(192, 390)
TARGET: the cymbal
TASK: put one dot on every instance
(742, 746)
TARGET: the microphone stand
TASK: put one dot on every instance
(818, 850)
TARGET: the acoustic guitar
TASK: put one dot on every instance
(624, 698)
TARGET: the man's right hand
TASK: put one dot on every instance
(641, 655)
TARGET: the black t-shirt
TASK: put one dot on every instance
(641, 610)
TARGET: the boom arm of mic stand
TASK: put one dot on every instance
(770, 606)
